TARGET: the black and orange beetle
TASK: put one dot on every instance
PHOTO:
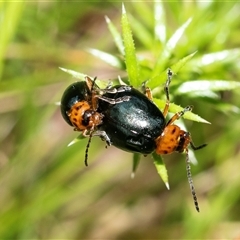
(128, 119)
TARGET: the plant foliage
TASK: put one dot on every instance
(46, 192)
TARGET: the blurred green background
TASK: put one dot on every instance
(46, 192)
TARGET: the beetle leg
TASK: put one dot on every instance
(123, 88)
(146, 90)
(113, 101)
(198, 147)
(177, 115)
(86, 133)
(91, 133)
(103, 135)
(109, 85)
(166, 90)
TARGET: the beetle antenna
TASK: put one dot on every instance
(198, 147)
(190, 181)
(87, 148)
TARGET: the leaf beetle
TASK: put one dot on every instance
(128, 119)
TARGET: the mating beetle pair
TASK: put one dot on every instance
(126, 118)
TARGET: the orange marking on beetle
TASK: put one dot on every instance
(83, 117)
(168, 141)
(76, 114)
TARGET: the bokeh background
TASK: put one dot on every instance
(46, 192)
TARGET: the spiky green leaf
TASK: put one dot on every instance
(136, 160)
(161, 168)
(130, 54)
(116, 35)
(106, 57)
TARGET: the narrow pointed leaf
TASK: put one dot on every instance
(130, 55)
(169, 48)
(160, 25)
(106, 57)
(177, 67)
(136, 160)
(222, 56)
(143, 35)
(176, 108)
(161, 168)
(157, 80)
(81, 77)
(74, 74)
(207, 85)
(172, 42)
(161, 78)
(116, 35)
(77, 139)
